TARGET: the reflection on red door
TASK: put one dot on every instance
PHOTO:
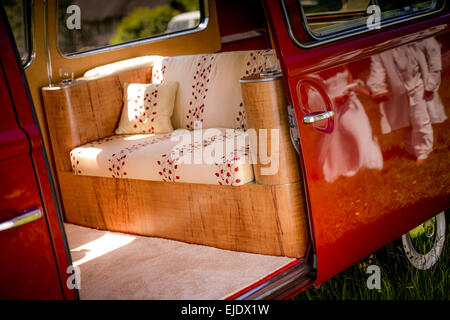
(383, 167)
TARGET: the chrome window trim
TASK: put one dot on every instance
(203, 24)
(275, 288)
(318, 41)
(46, 45)
(242, 36)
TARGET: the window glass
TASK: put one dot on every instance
(85, 25)
(328, 17)
(17, 20)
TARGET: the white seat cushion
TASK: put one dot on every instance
(166, 157)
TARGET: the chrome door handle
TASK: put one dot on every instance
(311, 118)
(28, 216)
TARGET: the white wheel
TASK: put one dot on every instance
(423, 245)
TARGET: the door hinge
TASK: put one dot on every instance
(293, 128)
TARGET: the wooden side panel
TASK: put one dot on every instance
(252, 218)
(266, 108)
(86, 110)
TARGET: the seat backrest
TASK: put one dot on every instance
(121, 66)
(209, 90)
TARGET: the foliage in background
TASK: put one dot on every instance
(185, 5)
(144, 22)
(123, 22)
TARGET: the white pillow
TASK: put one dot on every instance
(147, 108)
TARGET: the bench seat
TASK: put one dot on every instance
(219, 157)
(218, 202)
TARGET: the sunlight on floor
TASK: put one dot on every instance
(117, 266)
(101, 246)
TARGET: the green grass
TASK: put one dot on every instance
(399, 279)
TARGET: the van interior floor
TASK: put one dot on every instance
(117, 266)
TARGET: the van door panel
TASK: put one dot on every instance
(26, 254)
(32, 255)
(365, 185)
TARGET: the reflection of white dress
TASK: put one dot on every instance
(406, 72)
(424, 65)
(350, 147)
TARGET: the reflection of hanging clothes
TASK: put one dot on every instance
(351, 146)
(406, 73)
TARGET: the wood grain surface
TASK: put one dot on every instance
(266, 108)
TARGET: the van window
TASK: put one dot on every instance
(17, 12)
(85, 25)
(331, 17)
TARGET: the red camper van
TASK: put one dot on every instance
(212, 149)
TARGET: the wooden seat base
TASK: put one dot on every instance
(264, 219)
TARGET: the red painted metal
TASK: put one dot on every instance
(33, 259)
(350, 216)
(354, 215)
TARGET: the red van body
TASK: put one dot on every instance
(349, 218)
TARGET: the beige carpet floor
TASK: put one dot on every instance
(121, 266)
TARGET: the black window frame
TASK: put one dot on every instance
(27, 14)
(315, 41)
